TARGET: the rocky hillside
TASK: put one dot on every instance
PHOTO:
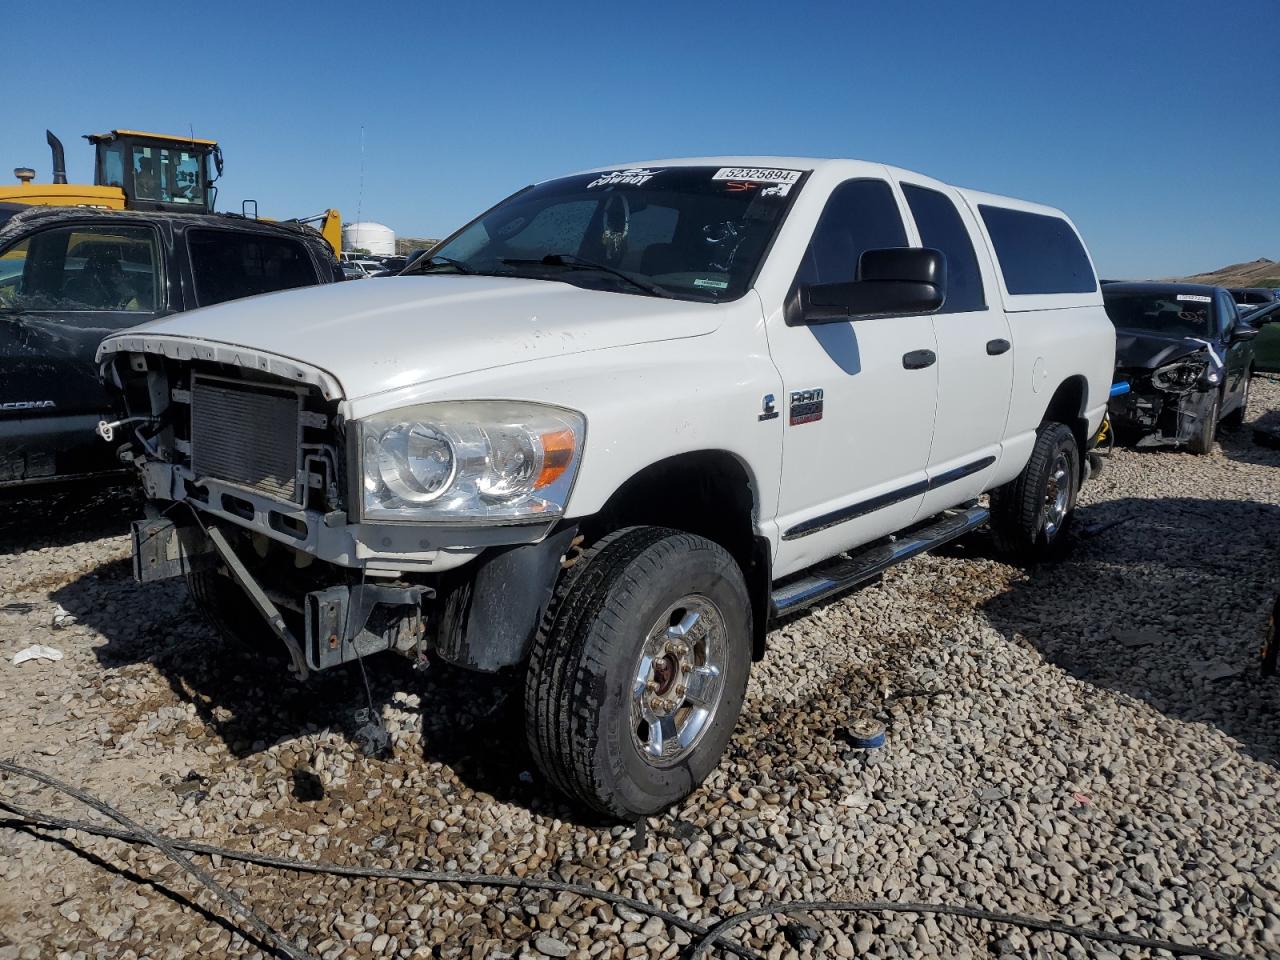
(1256, 273)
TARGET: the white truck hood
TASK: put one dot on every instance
(381, 334)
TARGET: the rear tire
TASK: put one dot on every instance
(1031, 515)
(650, 624)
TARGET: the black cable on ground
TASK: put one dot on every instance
(166, 847)
(704, 946)
(707, 938)
(137, 835)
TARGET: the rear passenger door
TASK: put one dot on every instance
(975, 351)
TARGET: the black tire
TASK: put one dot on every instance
(1271, 643)
(1201, 441)
(231, 613)
(579, 687)
(1019, 517)
(1235, 419)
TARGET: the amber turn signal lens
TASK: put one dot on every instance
(557, 454)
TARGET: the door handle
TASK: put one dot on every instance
(997, 347)
(918, 359)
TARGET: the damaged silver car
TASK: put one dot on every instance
(1187, 358)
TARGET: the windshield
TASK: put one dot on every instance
(696, 233)
(167, 175)
(1168, 314)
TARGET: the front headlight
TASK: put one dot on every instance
(470, 460)
(1181, 375)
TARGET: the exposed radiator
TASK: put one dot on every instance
(247, 436)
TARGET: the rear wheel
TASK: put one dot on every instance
(1030, 515)
(636, 679)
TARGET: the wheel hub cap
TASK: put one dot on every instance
(1057, 496)
(679, 680)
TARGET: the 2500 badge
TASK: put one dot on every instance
(806, 406)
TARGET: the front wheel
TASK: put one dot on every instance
(1235, 419)
(1206, 431)
(1031, 514)
(637, 677)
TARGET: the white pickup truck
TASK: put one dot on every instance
(608, 430)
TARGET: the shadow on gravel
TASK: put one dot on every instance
(1193, 581)
(471, 723)
(65, 515)
(1240, 444)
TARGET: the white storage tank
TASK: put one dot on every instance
(377, 238)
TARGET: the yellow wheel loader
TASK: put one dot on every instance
(134, 170)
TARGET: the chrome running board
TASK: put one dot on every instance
(851, 569)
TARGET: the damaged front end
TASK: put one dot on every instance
(255, 491)
(1168, 405)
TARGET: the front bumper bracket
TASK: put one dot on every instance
(241, 575)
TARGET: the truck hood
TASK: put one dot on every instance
(1142, 350)
(382, 334)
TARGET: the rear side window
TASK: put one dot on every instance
(1038, 253)
(860, 215)
(229, 265)
(940, 227)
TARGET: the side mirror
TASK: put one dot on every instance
(1243, 330)
(891, 282)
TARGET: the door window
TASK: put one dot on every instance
(941, 228)
(229, 265)
(860, 215)
(1227, 313)
(82, 268)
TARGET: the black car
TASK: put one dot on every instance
(71, 275)
(1250, 298)
(1187, 356)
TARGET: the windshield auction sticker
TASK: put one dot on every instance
(781, 180)
(1194, 298)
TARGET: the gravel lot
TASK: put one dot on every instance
(1087, 741)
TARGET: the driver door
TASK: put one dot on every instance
(858, 405)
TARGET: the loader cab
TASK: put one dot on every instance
(158, 172)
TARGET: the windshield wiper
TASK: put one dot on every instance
(578, 263)
(422, 264)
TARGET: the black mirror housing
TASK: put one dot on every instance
(890, 282)
(1243, 331)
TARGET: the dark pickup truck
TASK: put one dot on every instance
(69, 276)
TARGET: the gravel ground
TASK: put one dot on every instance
(1088, 740)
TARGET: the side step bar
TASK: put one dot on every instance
(849, 570)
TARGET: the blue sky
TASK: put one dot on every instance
(1150, 124)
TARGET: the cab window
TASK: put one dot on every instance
(167, 175)
(82, 268)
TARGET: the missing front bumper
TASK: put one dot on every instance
(1155, 418)
(339, 623)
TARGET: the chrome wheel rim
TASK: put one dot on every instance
(1057, 496)
(679, 680)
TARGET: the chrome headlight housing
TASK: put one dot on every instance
(482, 461)
(1181, 375)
